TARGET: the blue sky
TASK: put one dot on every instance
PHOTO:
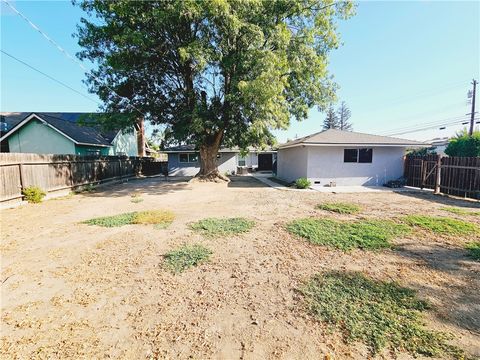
(402, 65)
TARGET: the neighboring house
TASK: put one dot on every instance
(60, 133)
(336, 157)
(184, 160)
(439, 145)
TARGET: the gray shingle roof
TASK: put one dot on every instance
(67, 123)
(333, 137)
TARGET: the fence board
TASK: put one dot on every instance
(55, 172)
(459, 176)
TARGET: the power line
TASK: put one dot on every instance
(64, 52)
(49, 76)
(430, 123)
(431, 127)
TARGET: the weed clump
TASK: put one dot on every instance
(186, 257)
(156, 217)
(341, 208)
(33, 194)
(443, 225)
(218, 227)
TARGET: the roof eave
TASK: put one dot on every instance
(354, 145)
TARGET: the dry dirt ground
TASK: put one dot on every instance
(76, 291)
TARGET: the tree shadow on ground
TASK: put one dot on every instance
(148, 186)
(457, 300)
(440, 198)
(245, 182)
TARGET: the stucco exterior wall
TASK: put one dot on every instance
(125, 143)
(35, 137)
(325, 164)
(292, 163)
(226, 163)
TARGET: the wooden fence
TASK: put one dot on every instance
(458, 176)
(59, 172)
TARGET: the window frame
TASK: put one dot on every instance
(189, 158)
(345, 159)
(358, 151)
(241, 158)
(365, 151)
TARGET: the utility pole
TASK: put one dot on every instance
(472, 114)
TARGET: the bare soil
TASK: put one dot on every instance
(76, 291)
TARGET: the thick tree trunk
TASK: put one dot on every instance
(208, 160)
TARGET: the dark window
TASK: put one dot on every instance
(350, 155)
(365, 155)
(193, 158)
(183, 158)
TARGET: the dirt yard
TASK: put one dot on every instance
(76, 291)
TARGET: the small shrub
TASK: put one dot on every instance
(157, 217)
(341, 208)
(302, 183)
(186, 257)
(136, 200)
(473, 249)
(379, 314)
(85, 188)
(217, 227)
(33, 194)
(347, 235)
(443, 225)
(460, 211)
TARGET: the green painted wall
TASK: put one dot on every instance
(91, 150)
(35, 137)
(125, 143)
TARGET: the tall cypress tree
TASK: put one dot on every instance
(344, 114)
(331, 121)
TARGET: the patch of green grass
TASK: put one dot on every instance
(156, 217)
(341, 208)
(379, 314)
(460, 211)
(473, 249)
(227, 226)
(443, 225)
(186, 257)
(136, 198)
(347, 235)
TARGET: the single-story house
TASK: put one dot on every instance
(337, 158)
(60, 133)
(183, 160)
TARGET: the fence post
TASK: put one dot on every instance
(438, 175)
(22, 180)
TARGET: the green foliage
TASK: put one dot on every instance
(33, 194)
(157, 217)
(85, 188)
(186, 257)
(422, 151)
(213, 71)
(341, 208)
(379, 314)
(302, 183)
(443, 225)
(473, 249)
(464, 145)
(331, 120)
(347, 235)
(219, 227)
(460, 211)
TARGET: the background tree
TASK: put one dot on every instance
(331, 120)
(215, 73)
(344, 114)
(464, 145)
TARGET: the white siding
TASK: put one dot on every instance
(292, 163)
(325, 164)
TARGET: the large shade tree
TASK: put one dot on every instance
(213, 72)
